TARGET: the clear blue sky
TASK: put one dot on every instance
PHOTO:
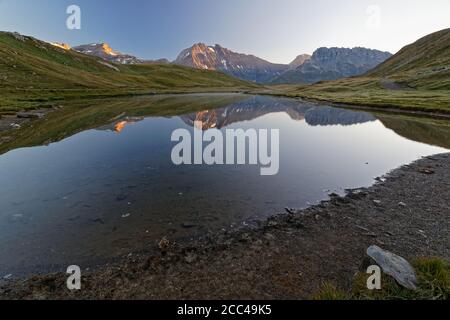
(277, 30)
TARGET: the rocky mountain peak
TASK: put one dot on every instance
(104, 51)
(243, 66)
(299, 60)
(334, 63)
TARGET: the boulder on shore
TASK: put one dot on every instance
(394, 266)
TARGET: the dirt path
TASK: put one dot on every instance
(287, 257)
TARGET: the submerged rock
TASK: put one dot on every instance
(394, 266)
(188, 225)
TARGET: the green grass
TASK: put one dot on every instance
(433, 284)
(368, 92)
(35, 74)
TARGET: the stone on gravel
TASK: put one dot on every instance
(29, 115)
(426, 171)
(164, 244)
(394, 266)
(190, 257)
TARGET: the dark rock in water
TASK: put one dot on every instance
(98, 220)
(188, 225)
(394, 266)
(121, 197)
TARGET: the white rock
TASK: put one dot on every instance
(394, 266)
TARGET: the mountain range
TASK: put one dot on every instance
(324, 64)
(34, 72)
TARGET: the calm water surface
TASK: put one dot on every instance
(113, 190)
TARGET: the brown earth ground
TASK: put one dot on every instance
(289, 256)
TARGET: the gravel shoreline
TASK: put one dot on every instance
(288, 256)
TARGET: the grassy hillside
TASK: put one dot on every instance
(417, 78)
(34, 73)
(424, 64)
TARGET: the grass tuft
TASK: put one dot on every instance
(433, 284)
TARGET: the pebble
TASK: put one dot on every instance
(190, 258)
(269, 236)
(121, 197)
(188, 225)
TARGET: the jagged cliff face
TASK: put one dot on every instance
(104, 51)
(334, 63)
(246, 67)
(300, 60)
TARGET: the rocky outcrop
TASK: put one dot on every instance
(104, 51)
(299, 61)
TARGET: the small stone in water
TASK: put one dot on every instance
(187, 225)
(121, 197)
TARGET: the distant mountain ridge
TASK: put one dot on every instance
(333, 64)
(243, 66)
(104, 51)
(324, 64)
